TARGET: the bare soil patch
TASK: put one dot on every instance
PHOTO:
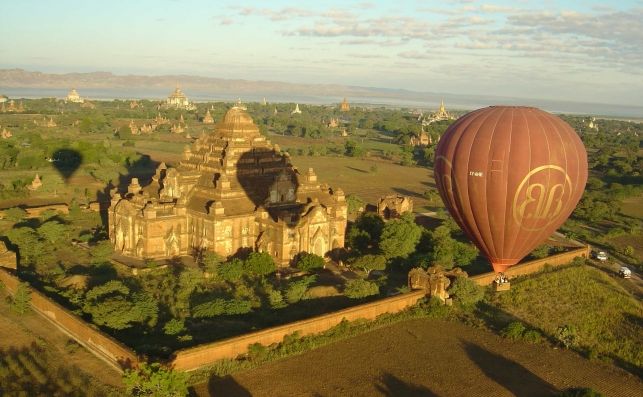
(20, 331)
(427, 358)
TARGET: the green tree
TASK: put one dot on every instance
(155, 381)
(21, 300)
(464, 253)
(53, 232)
(232, 270)
(221, 306)
(114, 306)
(354, 203)
(101, 252)
(467, 293)
(189, 281)
(358, 288)
(259, 264)
(432, 196)
(174, 327)
(364, 234)
(212, 262)
(368, 263)
(353, 149)
(15, 214)
(442, 247)
(542, 251)
(400, 237)
(307, 262)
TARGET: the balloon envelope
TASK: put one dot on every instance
(510, 176)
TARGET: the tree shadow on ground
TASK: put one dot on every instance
(392, 386)
(407, 192)
(357, 169)
(508, 373)
(226, 386)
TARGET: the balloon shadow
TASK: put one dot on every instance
(66, 162)
(508, 373)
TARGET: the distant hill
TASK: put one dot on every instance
(106, 85)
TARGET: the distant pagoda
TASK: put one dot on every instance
(178, 100)
(344, 106)
(207, 119)
(74, 97)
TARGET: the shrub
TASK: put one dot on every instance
(308, 262)
(297, 289)
(154, 380)
(514, 330)
(466, 292)
(71, 346)
(368, 263)
(21, 299)
(532, 336)
(567, 335)
(359, 288)
(276, 299)
(257, 352)
(212, 263)
(174, 327)
(220, 306)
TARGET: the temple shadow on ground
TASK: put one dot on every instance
(508, 373)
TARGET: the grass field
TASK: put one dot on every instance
(355, 176)
(607, 317)
(633, 206)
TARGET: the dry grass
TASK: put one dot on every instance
(606, 316)
(354, 176)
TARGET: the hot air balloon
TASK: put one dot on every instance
(510, 176)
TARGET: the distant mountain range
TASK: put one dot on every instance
(106, 85)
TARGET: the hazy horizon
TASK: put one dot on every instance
(555, 51)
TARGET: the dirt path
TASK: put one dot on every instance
(427, 358)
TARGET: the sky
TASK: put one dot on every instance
(583, 51)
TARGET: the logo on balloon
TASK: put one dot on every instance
(541, 196)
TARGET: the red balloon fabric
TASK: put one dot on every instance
(510, 176)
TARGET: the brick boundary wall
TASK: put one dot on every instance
(199, 356)
(101, 345)
(120, 357)
(534, 266)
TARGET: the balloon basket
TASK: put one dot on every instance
(499, 287)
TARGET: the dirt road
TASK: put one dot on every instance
(427, 358)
